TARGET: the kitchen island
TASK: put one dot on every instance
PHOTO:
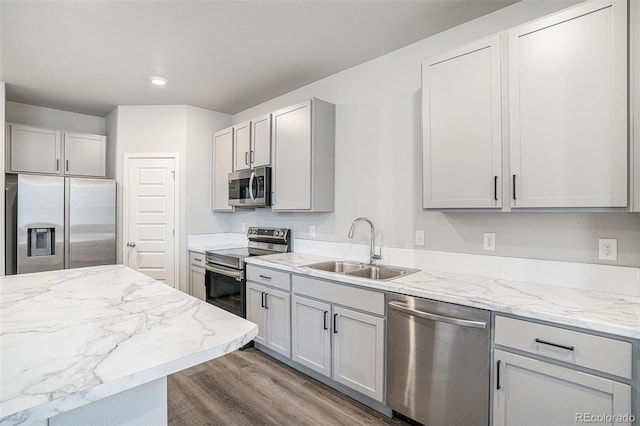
(94, 345)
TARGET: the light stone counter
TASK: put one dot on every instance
(592, 310)
(73, 337)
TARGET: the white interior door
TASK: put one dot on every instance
(150, 212)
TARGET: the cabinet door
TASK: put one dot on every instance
(261, 141)
(292, 157)
(278, 307)
(34, 150)
(529, 392)
(242, 146)
(311, 334)
(196, 283)
(256, 312)
(358, 352)
(85, 155)
(461, 139)
(568, 108)
(222, 166)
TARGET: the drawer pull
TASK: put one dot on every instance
(264, 277)
(569, 348)
(197, 260)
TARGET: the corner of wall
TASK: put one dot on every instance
(2, 169)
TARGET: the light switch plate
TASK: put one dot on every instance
(312, 230)
(419, 238)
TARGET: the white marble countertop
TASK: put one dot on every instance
(598, 311)
(202, 248)
(71, 337)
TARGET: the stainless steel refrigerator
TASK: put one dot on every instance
(55, 222)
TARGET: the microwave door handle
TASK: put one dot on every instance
(253, 175)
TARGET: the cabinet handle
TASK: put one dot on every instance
(58, 164)
(326, 314)
(262, 304)
(498, 375)
(495, 188)
(335, 323)
(252, 156)
(266, 300)
(264, 277)
(514, 187)
(67, 165)
(569, 348)
(197, 260)
(246, 158)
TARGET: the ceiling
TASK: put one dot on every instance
(226, 56)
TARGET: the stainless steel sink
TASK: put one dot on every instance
(340, 266)
(381, 273)
(357, 269)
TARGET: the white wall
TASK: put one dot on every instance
(378, 166)
(201, 124)
(54, 118)
(177, 129)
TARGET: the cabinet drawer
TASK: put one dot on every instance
(196, 259)
(341, 294)
(586, 350)
(269, 277)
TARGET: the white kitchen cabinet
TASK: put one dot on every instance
(303, 164)
(550, 386)
(358, 351)
(34, 150)
(222, 165)
(241, 146)
(462, 143)
(85, 155)
(568, 108)
(311, 334)
(271, 310)
(333, 338)
(531, 392)
(38, 150)
(252, 143)
(197, 287)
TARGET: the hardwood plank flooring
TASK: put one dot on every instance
(250, 388)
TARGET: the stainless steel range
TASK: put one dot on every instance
(225, 276)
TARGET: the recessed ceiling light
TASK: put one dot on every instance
(157, 80)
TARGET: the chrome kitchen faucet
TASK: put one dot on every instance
(372, 256)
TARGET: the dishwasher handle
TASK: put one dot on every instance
(399, 306)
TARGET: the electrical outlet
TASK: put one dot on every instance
(608, 249)
(244, 227)
(489, 241)
(312, 230)
(419, 238)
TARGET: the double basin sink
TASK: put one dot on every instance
(363, 270)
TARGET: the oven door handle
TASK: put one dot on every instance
(226, 272)
(253, 176)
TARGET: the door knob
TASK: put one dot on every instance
(130, 244)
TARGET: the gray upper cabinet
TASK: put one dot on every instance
(85, 155)
(37, 150)
(252, 143)
(303, 166)
(461, 107)
(568, 108)
(34, 150)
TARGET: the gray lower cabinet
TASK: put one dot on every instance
(538, 391)
(197, 273)
(270, 309)
(332, 336)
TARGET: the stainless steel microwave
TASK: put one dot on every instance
(250, 188)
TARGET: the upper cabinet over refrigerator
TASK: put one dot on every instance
(568, 108)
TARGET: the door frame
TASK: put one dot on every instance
(176, 212)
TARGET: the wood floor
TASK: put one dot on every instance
(250, 388)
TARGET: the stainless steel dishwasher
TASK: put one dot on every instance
(438, 354)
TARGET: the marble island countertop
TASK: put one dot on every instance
(592, 310)
(72, 337)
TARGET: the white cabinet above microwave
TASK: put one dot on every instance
(252, 143)
(37, 150)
